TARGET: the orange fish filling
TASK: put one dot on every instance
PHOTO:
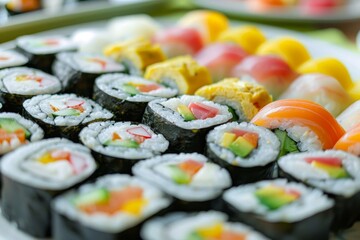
(7, 137)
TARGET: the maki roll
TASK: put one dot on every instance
(220, 59)
(350, 142)
(113, 207)
(136, 54)
(10, 58)
(34, 174)
(202, 226)
(185, 121)
(41, 50)
(282, 210)
(117, 146)
(127, 96)
(193, 181)
(244, 99)
(334, 172)
(21, 83)
(247, 151)
(65, 114)
(321, 89)
(350, 117)
(181, 73)
(78, 71)
(300, 125)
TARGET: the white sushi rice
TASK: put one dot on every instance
(167, 109)
(36, 132)
(120, 221)
(207, 183)
(10, 58)
(33, 44)
(311, 202)
(112, 84)
(19, 165)
(267, 150)
(90, 40)
(297, 167)
(82, 62)
(179, 226)
(306, 139)
(39, 107)
(350, 117)
(96, 134)
(10, 84)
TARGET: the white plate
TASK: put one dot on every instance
(351, 11)
(317, 49)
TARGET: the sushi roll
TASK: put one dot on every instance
(11, 58)
(289, 49)
(210, 24)
(282, 210)
(78, 71)
(178, 41)
(247, 151)
(34, 174)
(136, 54)
(334, 172)
(64, 114)
(117, 146)
(244, 99)
(350, 117)
(328, 66)
(21, 83)
(300, 125)
(41, 50)
(113, 207)
(127, 96)
(181, 73)
(132, 26)
(220, 59)
(248, 38)
(185, 121)
(270, 71)
(350, 141)
(193, 181)
(321, 89)
(201, 225)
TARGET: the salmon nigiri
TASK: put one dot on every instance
(350, 142)
(301, 125)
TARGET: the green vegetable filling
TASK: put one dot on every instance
(287, 145)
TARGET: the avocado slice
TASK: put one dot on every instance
(287, 145)
(11, 125)
(185, 112)
(67, 112)
(179, 176)
(130, 89)
(227, 139)
(194, 236)
(122, 143)
(241, 147)
(334, 172)
(274, 197)
(101, 195)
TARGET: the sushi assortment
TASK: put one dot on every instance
(196, 131)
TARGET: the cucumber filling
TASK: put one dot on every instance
(287, 145)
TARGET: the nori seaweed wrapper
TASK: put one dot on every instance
(43, 62)
(314, 227)
(123, 110)
(181, 140)
(243, 175)
(346, 209)
(13, 102)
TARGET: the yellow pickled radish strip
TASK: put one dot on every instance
(134, 207)
(227, 139)
(210, 24)
(354, 92)
(328, 66)
(184, 71)
(247, 37)
(46, 158)
(289, 49)
(213, 231)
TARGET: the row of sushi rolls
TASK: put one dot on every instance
(195, 131)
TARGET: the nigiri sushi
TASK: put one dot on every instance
(350, 117)
(350, 142)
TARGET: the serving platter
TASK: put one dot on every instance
(317, 48)
(294, 14)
